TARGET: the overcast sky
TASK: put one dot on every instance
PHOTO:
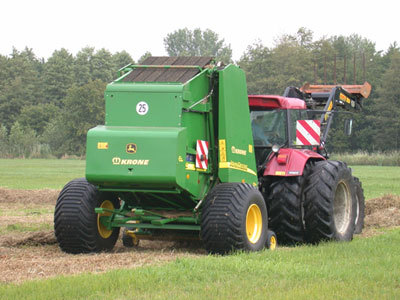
(140, 26)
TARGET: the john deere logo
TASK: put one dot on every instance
(131, 148)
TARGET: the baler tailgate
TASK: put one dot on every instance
(140, 157)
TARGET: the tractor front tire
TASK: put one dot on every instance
(360, 215)
(234, 217)
(330, 209)
(77, 227)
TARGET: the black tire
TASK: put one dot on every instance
(272, 241)
(330, 208)
(228, 210)
(76, 224)
(360, 211)
(128, 241)
(286, 208)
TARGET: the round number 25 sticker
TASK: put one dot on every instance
(142, 108)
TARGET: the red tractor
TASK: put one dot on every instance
(309, 198)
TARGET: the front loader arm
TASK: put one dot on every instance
(331, 99)
(338, 99)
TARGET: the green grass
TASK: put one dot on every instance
(378, 181)
(39, 173)
(363, 269)
(16, 227)
(371, 159)
(17, 211)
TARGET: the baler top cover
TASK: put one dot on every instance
(167, 69)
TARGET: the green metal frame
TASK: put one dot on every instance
(144, 219)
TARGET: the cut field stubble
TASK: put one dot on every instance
(33, 255)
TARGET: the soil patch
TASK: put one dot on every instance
(21, 263)
(38, 238)
(34, 255)
(382, 212)
(46, 196)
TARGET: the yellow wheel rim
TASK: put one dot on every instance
(272, 243)
(103, 231)
(253, 223)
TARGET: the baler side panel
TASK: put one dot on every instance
(196, 130)
(236, 149)
(196, 108)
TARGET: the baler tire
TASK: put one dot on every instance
(330, 209)
(286, 208)
(272, 241)
(76, 224)
(360, 215)
(227, 218)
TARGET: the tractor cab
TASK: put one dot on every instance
(273, 121)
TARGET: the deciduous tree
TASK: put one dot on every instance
(58, 76)
(83, 109)
(185, 42)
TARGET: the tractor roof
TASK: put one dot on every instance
(275, 101)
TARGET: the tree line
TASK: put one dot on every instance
(299, 58)
(47, 106)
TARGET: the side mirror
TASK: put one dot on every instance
(348, 125)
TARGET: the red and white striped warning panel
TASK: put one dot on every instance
(202, 155)
(308, 132)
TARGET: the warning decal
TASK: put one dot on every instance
(308, 132)
(202, 155)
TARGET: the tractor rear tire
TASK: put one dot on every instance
(234, 217)
(286, 208)
(360, 215)
(330, 209)
(77, 227)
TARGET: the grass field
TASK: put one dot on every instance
(39, 173)
(363, 269)
(378, 181)
(54, 174)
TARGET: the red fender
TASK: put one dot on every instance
(289, 162)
